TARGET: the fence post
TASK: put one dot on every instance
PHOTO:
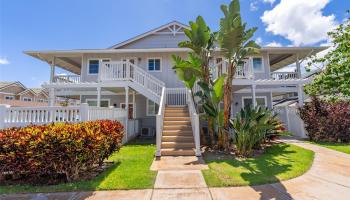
(2, 115)
(84, 112)
(286, 111)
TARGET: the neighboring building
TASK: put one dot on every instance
(16, 94)
(141, 66)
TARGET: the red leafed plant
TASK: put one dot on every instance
(327, 121)
(58, 149)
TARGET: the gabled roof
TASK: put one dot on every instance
(5, 84)
(26, 91)
(173, 27)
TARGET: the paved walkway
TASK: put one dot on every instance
(328, 178)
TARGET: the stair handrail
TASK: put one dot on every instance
(159, 121)
(194, 122)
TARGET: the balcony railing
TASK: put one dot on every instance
(284, 75)
(67, 79)
(242, 71)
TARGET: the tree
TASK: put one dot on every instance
(334, 80)
(235, 42)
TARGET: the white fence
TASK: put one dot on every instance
(291, 119)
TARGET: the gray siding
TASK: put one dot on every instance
(156, 41)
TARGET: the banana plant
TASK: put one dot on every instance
(235, 43)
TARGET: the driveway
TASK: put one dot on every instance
(328, 178)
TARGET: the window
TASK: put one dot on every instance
(258, 65)
(9, 97)
(41, 100)
(154, 64)
(152, 108)
(27, 99)
(94, 65)
(93, 102)
(260, 101)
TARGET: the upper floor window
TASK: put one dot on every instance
(27, 99)
(94, 64)
(9, 97)
(154, 64)
(258, 65)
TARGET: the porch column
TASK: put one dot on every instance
(253, 95)
(133, 104)
(52, 72)
(127, 112)
(297, 62)
(52, 97)
(300, 95)
(98, 97)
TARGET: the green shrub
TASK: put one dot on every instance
(252, 126)
(59, 149)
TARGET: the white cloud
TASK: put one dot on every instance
(274, 44)
(259, 40)
(253, 6)
(300, 21)
(269, 1)
(4, 61)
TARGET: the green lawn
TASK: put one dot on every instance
(342, 147)
(131, 171)
(279, 162)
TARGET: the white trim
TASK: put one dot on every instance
(109, 101)
(262, 64)
(148, 33)
(147, 106)
(128, 58)
(160, 64)
(257, 97)
(88, 65)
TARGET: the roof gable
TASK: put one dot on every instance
(172, 28)
(4, 85)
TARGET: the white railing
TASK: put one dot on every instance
(176, 96)
(194, 122)
(124, 70)
(284, 75)
(22, 116)
(242, 71)
(159, 121)
(67, 79)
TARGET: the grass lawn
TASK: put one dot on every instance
(279, 162)
(342, 147)
(130, 171)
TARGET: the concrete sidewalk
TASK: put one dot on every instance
(328, 178)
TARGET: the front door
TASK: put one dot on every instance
(132, 60)
(131, 109)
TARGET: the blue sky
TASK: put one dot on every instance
(88, 24)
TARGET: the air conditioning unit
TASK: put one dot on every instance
(147, 132)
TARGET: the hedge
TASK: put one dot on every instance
(327, 121)
(58, 149)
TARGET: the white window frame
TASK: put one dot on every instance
(134, 58)
(257, 97)
(109, 101)
(99, 61)
(31, 99)
(147, 106)
(160, 63)
(10, 97)
(262, 64)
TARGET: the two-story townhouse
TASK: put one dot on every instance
(136, 71)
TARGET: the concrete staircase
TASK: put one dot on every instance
(177, 136)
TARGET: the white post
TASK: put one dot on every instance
(286, 111)
(133, 104)
(52, 72)
(52, 97)
(253, 95)
(300, 95)
(298, 66)
(98, 97)
(2, 115)
(127, 111)
(84, 112)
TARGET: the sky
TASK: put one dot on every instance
(90, 24)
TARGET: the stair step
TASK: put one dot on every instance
(188, 123)
(177, 133)
(177, 127)
(177, 138)
(177, 145)
(177, 152)
(177, 118)
(176, 114)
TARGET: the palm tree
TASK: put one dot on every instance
(235, 42)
